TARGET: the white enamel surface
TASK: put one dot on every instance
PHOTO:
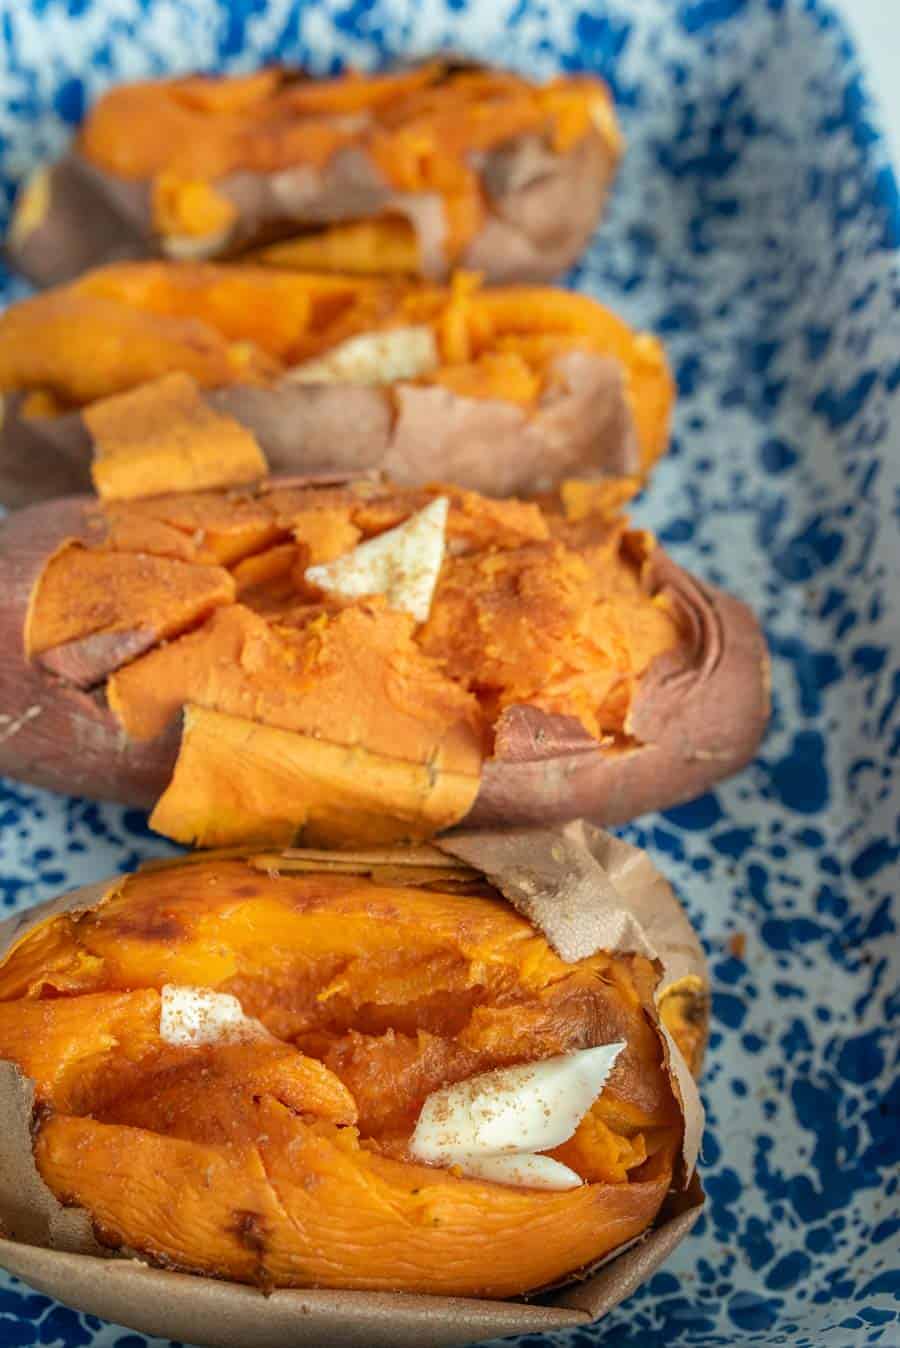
(402, 564)
(190, 1017)
(523, 1170)
(373, 358)
(528, 1108)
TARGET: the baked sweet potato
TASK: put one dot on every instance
(413, 173)
(502, 390)
(231, 1067)
(362, 660)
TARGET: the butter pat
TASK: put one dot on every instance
(190, 1017)
(373, 358)
(522, 1169)
(402, 564)
(510, 1114)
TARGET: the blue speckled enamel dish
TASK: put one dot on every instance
(755, 226)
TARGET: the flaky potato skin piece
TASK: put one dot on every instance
(698, 716)
(536, 205)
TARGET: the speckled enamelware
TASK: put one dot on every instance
(755, 226)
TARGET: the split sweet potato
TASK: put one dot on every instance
(564, 666)
(412, 173)
(502, 390)
(276, 1150)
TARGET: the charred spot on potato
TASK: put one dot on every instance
(41, 1111)
(251, 1231)
(685, 1012)
(696, 1009)
(151, 925)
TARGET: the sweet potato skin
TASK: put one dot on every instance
(80, 220)
(699, 716)
(415, 434)
(301, 428)
(52, 734)
(41, 458)
(506, 389)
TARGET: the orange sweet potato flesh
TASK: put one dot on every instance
(355, 92)
(532, 321)
(265, 313)
(114, 600)
(410, 739)
(360, 668)
(163, 437)
(80, 347)
(141, 130)
(384, 246)
(129, 323)
(307, 713)
(284, 1161)
(211, 528)
(237, 781)
(541, 626)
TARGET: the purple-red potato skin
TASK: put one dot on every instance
(699, 716)
(92, 217)
(55, 735)
(538, 229)
(41, 458)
